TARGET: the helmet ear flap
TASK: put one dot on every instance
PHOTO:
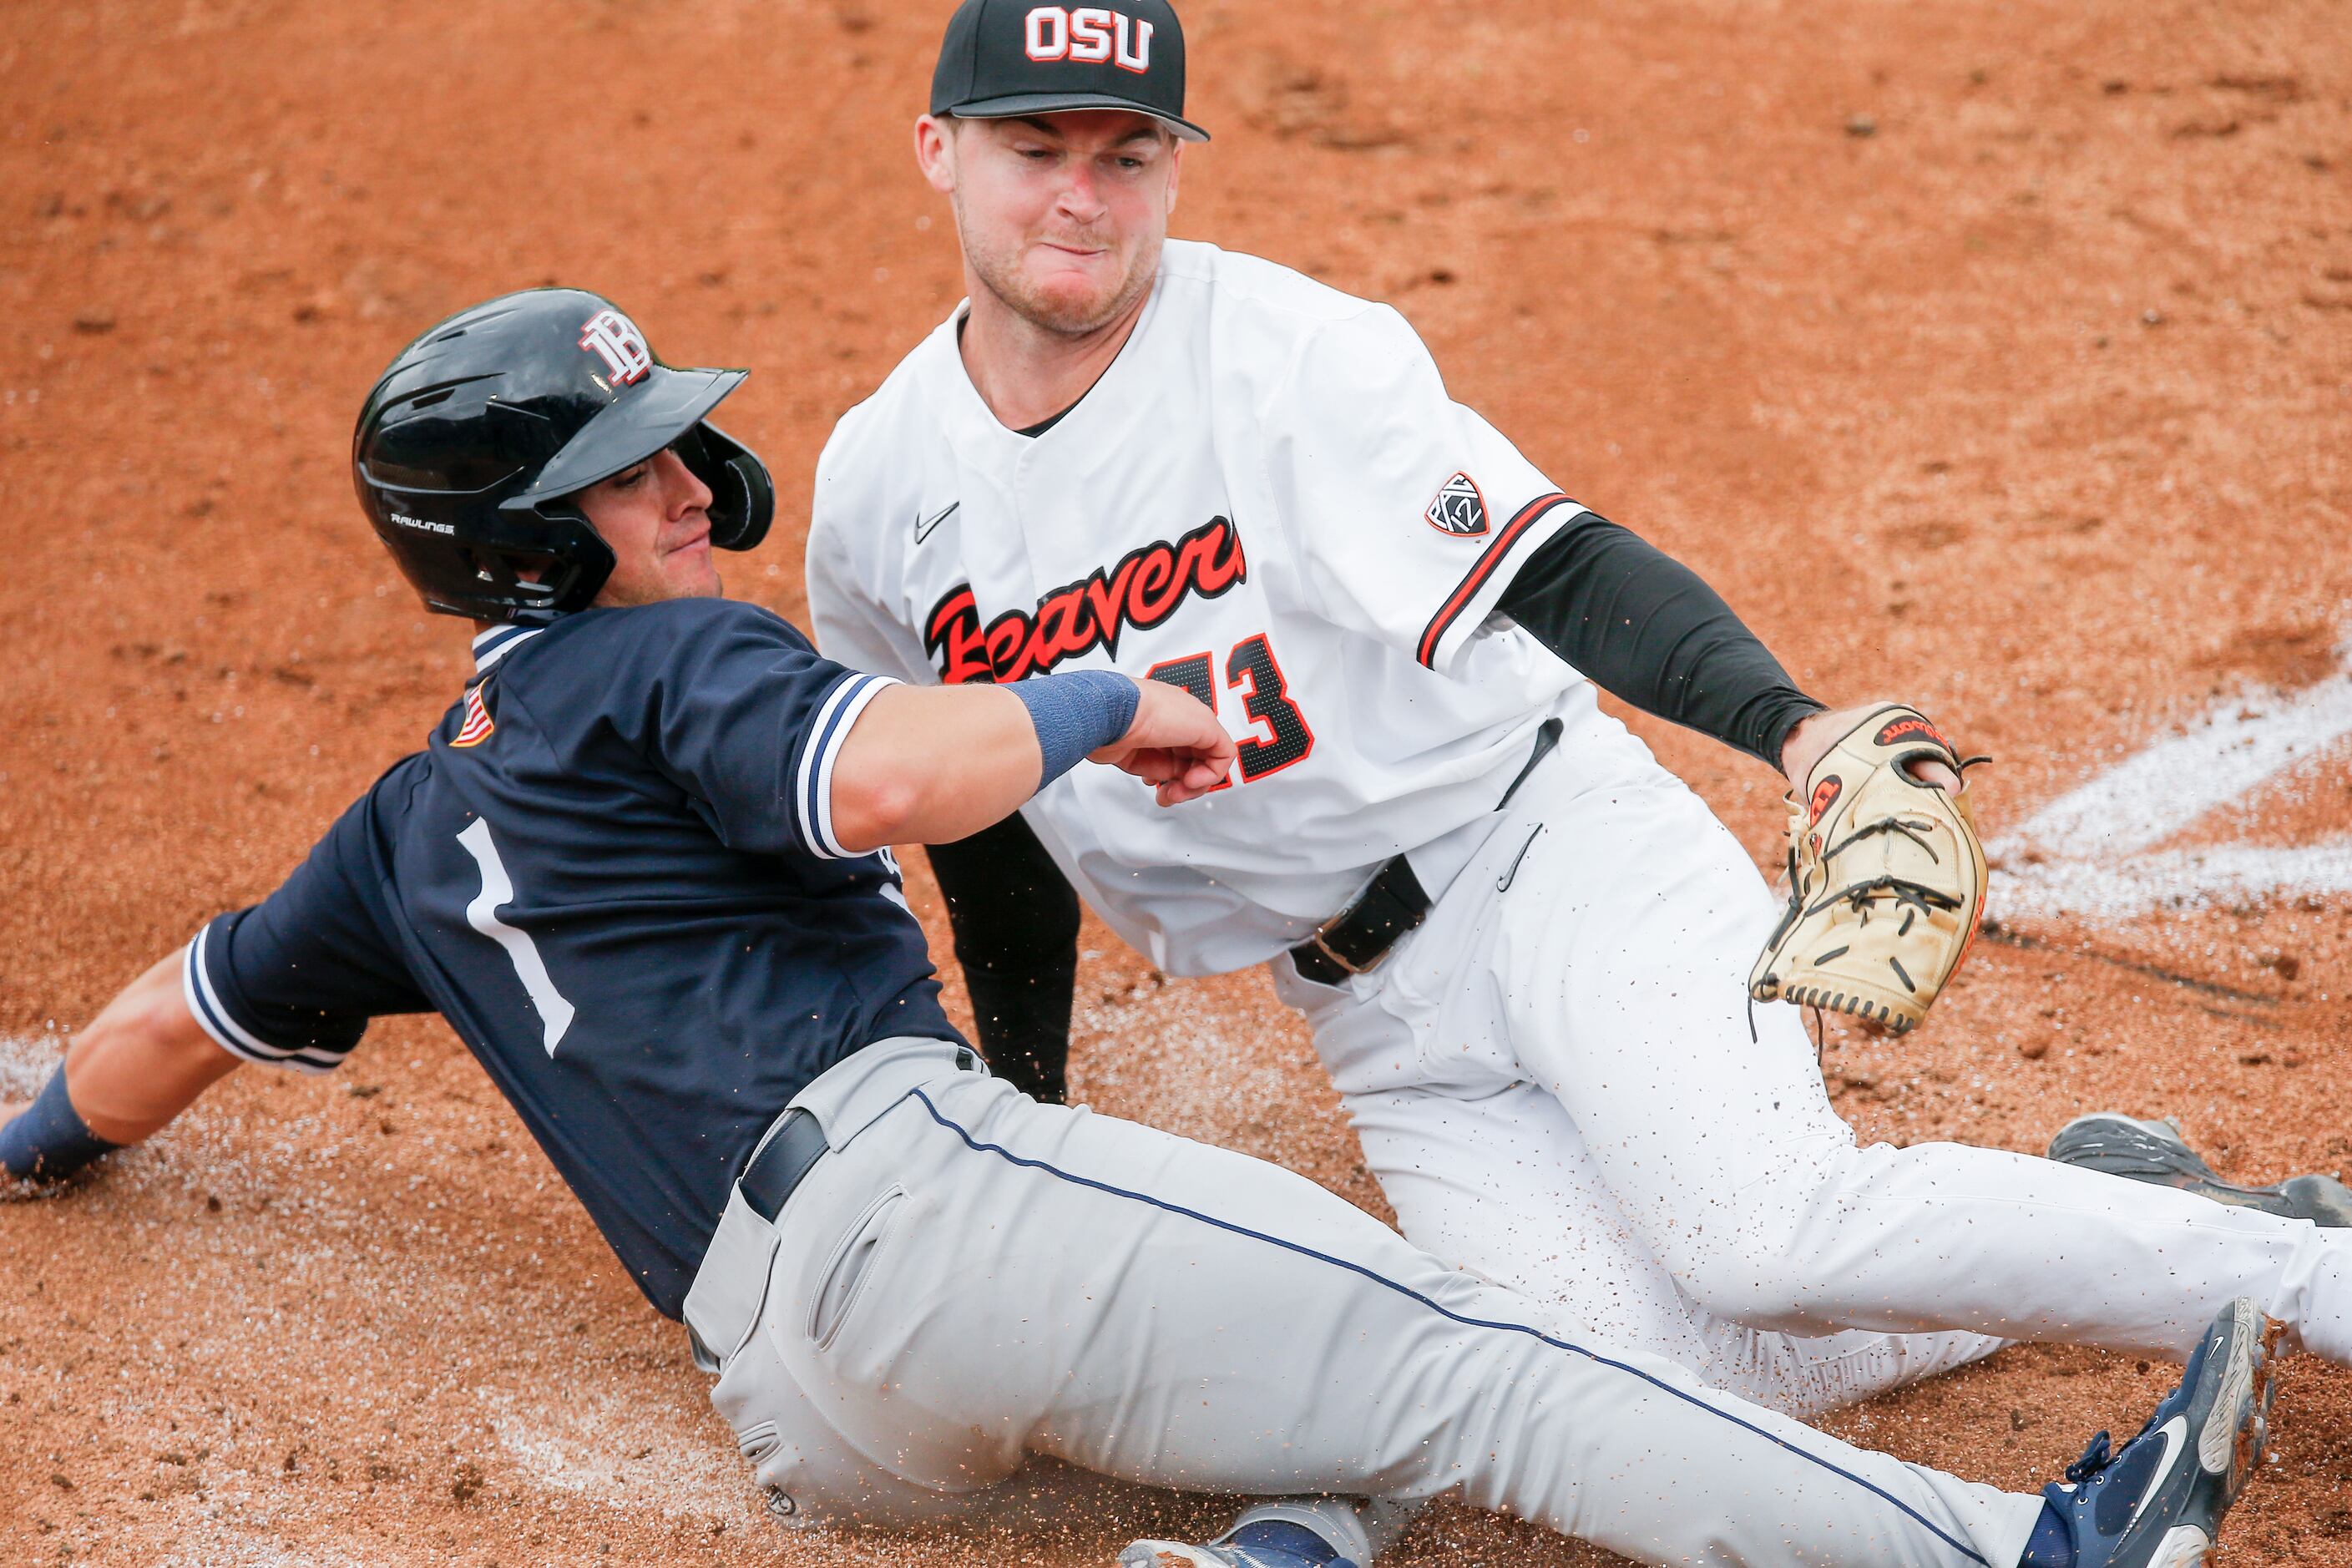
(557, 538)
(586, 563)
(742, 493)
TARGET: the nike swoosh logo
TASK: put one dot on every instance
(924, 525)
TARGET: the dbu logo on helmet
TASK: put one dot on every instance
(1089, 36)
(615, 340)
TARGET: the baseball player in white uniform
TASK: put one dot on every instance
(1522, 945)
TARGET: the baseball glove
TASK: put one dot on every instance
(1886, 879)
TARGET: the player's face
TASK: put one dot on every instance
(654, 518)
(1061, 216)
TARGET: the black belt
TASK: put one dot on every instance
(1392, 903)
(786, 1159)
(1361, 935)
(782, 1163)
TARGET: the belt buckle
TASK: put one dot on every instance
(1327, 949)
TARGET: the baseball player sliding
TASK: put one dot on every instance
(1526, 951)
(640, 870)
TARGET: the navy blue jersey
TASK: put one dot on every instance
(614, 871)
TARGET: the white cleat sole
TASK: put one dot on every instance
(2217, 1447)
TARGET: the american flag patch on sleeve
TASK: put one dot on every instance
(478, 726)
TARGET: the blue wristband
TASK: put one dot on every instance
(50, 1141)
(1076, 714)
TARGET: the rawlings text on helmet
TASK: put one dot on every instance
(616, 340)
(1089, 35)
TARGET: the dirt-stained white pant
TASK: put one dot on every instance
(970, 1276)
(1556, 1086)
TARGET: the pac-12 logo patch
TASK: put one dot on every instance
(479, 725)
(1459, 509)
(616, 340)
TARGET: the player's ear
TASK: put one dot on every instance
(1175, 168)
(935, 152)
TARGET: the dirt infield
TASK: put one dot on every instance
(1998, 355)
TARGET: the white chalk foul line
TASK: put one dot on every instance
(2174, 879)
(2091, 851)
(2155, 795)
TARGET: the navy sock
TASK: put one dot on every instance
(1281, 1535)
(2051, 1544)
(49, 1141)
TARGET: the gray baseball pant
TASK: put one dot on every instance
(970, 1276)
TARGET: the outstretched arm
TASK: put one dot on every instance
(1648, 629)
(933, 765)
(140, 1062)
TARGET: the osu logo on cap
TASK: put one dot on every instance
(623, 348)
(1089, 36)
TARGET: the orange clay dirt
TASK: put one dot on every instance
(1997, 356)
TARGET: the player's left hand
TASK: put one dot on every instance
(1175, 745)
(1809, 741)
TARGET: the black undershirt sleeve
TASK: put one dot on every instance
(1648, 630)
(1015, 920)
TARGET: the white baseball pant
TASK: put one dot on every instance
(969, 1277)
(1557, 1087)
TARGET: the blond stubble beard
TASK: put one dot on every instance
(1003, 282)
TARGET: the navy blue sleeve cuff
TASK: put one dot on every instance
(208, 987)
(813, 779)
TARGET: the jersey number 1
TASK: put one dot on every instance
(1250, 669)
(555, 1014)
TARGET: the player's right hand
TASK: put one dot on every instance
(1175, 745)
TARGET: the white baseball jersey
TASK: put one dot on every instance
(1269, 500)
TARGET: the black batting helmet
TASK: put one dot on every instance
(472, 445)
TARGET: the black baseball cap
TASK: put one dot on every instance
(1004, 59)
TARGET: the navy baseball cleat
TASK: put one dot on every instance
(2158, 1501)
(2155, 1151)
(1264, 1544)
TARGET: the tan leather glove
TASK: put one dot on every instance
(1886, 879)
